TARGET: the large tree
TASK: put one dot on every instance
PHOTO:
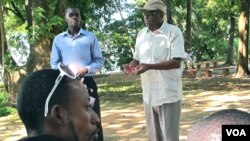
(231, 32)
(169, 11)
(43, 20)
(37, 16)
(242, 65)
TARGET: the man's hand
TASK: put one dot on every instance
(81, 71)
(128, 69)
(141, 68)
(78, 70)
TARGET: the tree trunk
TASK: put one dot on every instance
(168, 3)
(28, 6)
(242, 65)
(5, 75)
(40, 51)
(188, 26)
(230, 53)
(2, 34)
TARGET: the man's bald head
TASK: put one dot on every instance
(210, 128)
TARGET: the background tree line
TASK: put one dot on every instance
(209, 27)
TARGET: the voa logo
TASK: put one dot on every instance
(236, 132)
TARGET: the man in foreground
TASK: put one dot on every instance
(56, 107)
(210, 128)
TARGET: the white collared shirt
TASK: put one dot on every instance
(160, 86)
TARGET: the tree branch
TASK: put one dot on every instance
(124, 24)
(16, 11)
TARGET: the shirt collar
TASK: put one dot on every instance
(160, 30)
(66, 33)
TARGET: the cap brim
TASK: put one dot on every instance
(145, 9)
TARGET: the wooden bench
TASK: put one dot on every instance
(209, 71)
(208, 65)
(225, 70)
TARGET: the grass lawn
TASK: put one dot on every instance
(122, 109)
(119, 89)
(121, 100)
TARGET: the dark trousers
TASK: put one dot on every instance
(92, 88)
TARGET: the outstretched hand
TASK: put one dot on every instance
(141, 68)
(128, 69)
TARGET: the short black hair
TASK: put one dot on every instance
(32, 96)
(209, 128)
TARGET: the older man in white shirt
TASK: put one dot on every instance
(158, 54)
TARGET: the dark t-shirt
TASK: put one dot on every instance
(41, 138)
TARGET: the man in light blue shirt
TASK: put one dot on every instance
(80, 50)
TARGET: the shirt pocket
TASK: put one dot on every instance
(162, 50)
(172, 86)
(144, 52)
(173, 80)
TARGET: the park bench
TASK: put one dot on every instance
(225, 71)
(208, 65)
(208, 69)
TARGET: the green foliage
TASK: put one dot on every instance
(5, 110)
(210, 20)
(117, 39)
(44, 24)
(15, 27)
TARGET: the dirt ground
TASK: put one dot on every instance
(128, 124)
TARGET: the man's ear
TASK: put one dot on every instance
(59, 114)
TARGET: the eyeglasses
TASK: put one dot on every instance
(150, 13)
(74, 14)
(64, 71)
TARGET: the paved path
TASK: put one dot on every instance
(129, 124)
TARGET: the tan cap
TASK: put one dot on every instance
(154, 5)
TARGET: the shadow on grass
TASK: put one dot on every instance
(215, 84)
(122, 107)
(123, 113)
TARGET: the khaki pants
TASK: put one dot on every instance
(163, 121)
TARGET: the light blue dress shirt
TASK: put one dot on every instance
(82, 50)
